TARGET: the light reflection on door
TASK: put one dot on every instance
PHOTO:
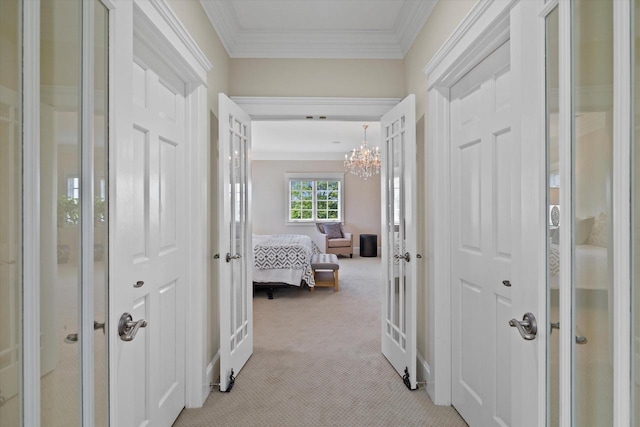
(10, 215)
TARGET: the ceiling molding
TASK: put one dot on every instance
(411, 21)
(290, 155)
(288, 108)
(338, 44)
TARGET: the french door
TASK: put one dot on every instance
(399, 233)
(236, 250)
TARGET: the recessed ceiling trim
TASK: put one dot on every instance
(291, 155)
(359, 44)
(287, 108)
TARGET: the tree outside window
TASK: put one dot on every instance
(315, 198)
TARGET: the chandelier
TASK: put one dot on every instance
(364, 161)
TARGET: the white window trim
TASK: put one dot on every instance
(288, 177)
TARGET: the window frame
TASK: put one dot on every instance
(314, 177)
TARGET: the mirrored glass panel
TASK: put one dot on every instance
(10, 214)
(553, 217)
(591, 248)
(635, 237)
(100, 203)
(60, 35)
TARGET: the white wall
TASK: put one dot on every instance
(361, 205)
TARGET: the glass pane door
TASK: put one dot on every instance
(396, 282)
(60, 202)
(64, 180)
(10, 214)
(592, 228)
(553, 215)
(635, 216)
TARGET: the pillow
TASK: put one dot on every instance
(333, 231)
(583, 230)
(598, 235)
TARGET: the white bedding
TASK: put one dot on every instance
(283, 258)
(591, 267)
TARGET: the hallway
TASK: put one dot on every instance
(317, 362)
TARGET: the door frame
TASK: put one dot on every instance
(156, 21)
(486, 27)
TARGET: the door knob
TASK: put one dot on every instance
(406, 257)
(229, 257)
(128, 328)
(527, 327)
(580, 339)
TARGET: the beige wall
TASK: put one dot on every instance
(362, 198)
(317, 77)
(195, 20)
(444, 19)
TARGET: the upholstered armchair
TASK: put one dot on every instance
(331, 239)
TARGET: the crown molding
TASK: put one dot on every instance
(411, 21)
(357, 44)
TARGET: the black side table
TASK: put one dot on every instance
(369, 245)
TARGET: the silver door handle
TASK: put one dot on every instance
(580, 339)
(527, 327)
(406, 256)
(128, 328)
(230, 257)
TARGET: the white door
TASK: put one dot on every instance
(148, 253)
(484, 238)
(236, 251)
(399, 238)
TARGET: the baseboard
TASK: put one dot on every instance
(424, 371)
(210, 370)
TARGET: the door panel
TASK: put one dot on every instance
(236, 251)
(482, 195)
(399, 238)
(154, 262)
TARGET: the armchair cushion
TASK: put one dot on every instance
(343, 242)
(333, 231)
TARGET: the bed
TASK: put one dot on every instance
(591, 267)
(283, 259)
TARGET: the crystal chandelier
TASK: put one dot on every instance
(364, 161)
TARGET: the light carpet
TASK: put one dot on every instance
(317, 362)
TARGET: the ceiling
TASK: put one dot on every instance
(309, 140)
(374, 29)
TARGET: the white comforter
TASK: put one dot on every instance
(591, 266)
(283, 258)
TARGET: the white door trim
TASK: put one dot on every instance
(31, 213)
(347, 109)
(622, 205)
(484, 29)
(156, 21)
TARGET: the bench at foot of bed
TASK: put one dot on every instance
(325, 270)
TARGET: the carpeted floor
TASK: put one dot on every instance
(317, 362)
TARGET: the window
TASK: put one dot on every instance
(314, 197)
(73, 187)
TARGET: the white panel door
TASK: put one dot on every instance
(149, 196)
(484, 232)
(236, 251)
(399, 238)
